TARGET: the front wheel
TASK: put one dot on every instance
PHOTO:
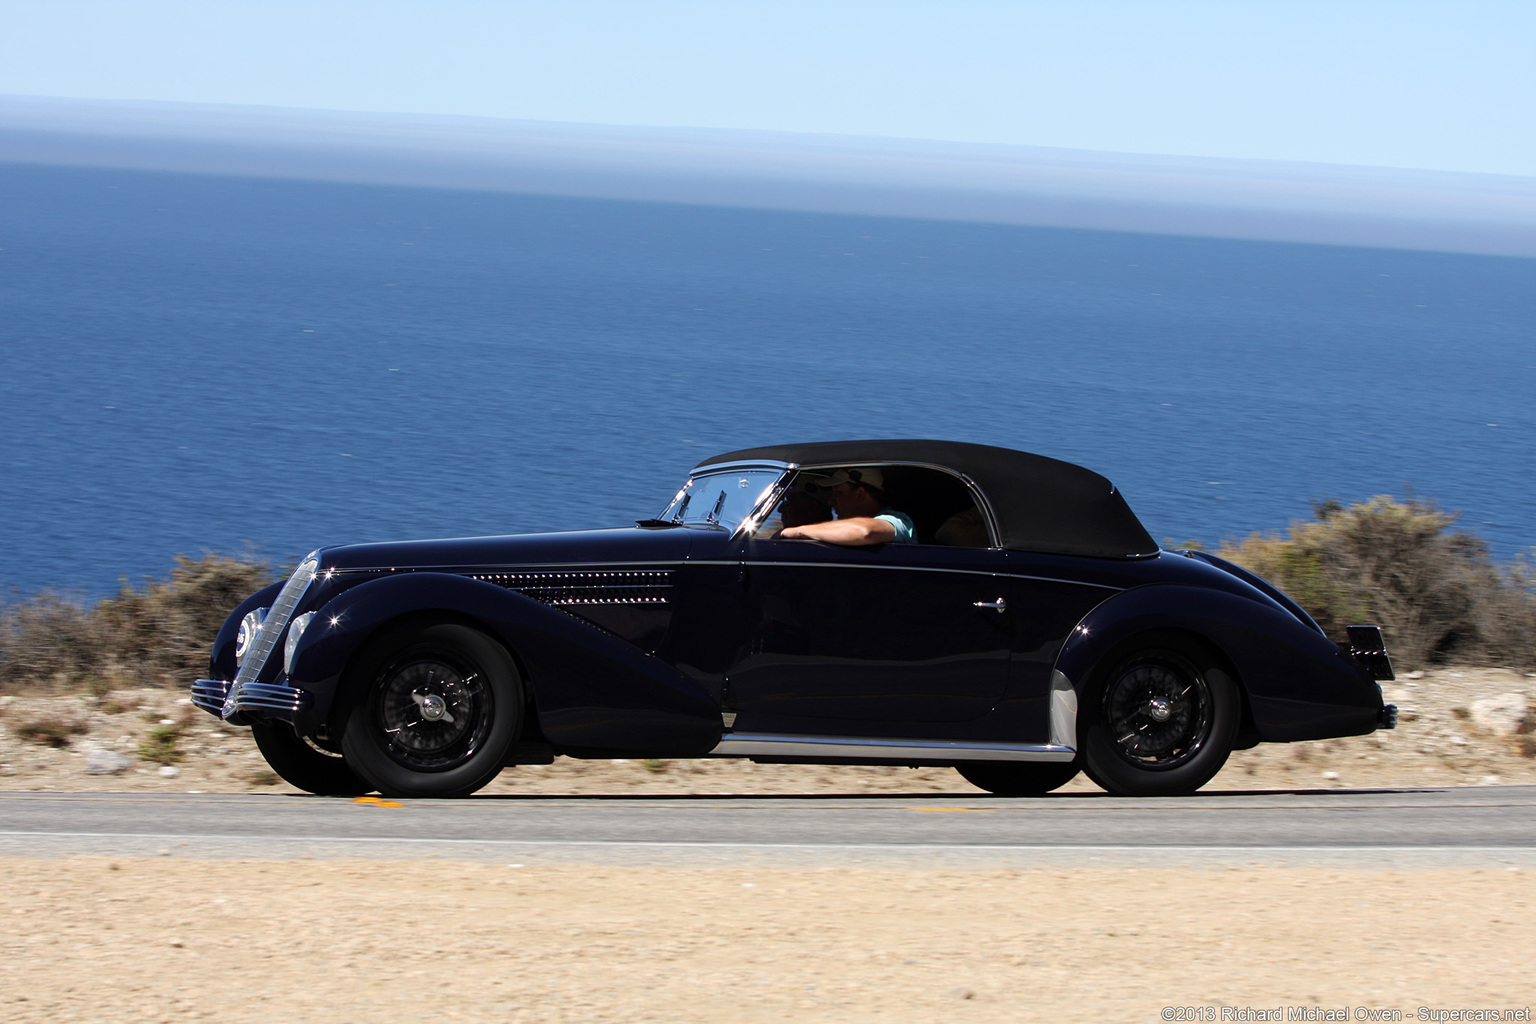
(304, 764)
(1018, 778)
(436, 711)
(1161, 720)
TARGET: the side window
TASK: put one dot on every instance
(940, 505)
(965, 529)
(804, 502)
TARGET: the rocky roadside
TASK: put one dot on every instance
(1459, 726)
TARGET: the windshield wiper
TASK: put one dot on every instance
(713, 519)
(676, 520)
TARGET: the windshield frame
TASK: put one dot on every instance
(766, 499)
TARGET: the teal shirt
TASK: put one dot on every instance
(906, 533)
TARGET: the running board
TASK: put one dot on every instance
(758, 744)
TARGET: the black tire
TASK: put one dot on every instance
(1019, 778)
(1161, 719)
(434, 712)
(302, 763)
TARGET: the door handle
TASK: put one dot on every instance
(998, 606)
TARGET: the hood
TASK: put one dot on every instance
(580, 547)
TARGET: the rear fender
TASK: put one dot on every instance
(1297, 683)
(590, 689)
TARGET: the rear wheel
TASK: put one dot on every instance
(1161, 720)
(436, 712)
(303, 763)
(1019, 778)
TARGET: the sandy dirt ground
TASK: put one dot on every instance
(1440, 742)
(149, 940)
(170, 939)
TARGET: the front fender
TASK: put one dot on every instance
(590, 689)
(221, 661)
(1299, 684)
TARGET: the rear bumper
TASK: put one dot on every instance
(253, 700)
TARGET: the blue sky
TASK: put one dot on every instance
(1436, 85)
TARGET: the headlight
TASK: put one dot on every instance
(249, 627)
(296, 629)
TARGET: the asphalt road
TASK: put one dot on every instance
(1406, 828)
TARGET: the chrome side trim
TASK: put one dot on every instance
(744, 744)
(478, 572)
(997, 573)
(1063, 711)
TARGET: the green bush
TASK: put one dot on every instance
(162, 744)
(159, 633)
(1399, 564)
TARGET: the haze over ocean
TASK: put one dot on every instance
(195, 362)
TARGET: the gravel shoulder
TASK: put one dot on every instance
(1459, 726)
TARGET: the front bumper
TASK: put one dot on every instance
(253, 700)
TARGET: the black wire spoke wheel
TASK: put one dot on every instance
(434, 710)
(1159, 718)
(1158, 710)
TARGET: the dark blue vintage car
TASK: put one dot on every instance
(1028, 629)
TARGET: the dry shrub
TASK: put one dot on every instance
(164, 630)
(50, 641)
(50, 732)
(1398, 563)
(156, 634)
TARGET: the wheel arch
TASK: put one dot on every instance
(348, 685)
(1211, 654)
(1294, 683)
(585, 687)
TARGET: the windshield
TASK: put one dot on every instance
(720, 499)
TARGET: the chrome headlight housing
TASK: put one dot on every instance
(246, 637)
(296, 629)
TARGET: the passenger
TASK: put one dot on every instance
(863, 518)
(964, 529)
(802, 506)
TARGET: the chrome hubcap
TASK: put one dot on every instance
(433, 708)
(1158, 710)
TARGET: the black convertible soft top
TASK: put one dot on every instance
(1041, 504)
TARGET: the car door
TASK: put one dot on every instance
(857, 640)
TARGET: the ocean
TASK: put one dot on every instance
(200, 363)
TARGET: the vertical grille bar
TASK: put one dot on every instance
(276, 621)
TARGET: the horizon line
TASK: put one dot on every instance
(1003, 183)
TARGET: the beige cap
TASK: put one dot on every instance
(868, 475)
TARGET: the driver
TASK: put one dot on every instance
(863, 518)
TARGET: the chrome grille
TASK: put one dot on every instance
(586, 588)
(272, 627)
